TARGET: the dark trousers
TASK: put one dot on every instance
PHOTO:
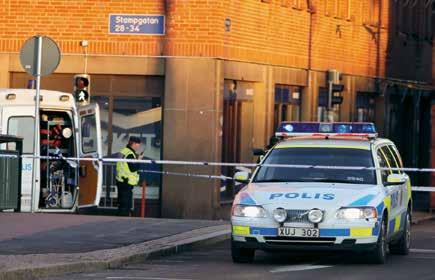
(125, 197)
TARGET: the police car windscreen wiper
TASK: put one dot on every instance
(278, 181)
(329, 180)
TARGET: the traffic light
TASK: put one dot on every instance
(82, 84)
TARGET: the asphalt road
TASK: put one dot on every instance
(214, 262)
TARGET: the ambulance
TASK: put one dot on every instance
(65, 177)
(324, 186)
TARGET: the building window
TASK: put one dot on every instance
(287, 104)
(365, 107)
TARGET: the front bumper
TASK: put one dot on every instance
(360, 237)
(347, 245)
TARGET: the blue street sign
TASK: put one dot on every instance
(137, 24)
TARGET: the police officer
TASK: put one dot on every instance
(127, 176)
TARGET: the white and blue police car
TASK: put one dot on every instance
(324, 186)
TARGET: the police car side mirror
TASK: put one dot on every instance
(241, 177)
(258, 152)
(396, 179)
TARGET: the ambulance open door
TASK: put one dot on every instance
(91, 172)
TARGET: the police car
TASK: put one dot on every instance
(342, 189)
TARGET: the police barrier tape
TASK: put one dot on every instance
(205, 163)
(222, 177)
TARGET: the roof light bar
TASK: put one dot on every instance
(291, 129)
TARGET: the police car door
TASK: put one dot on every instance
(393, 199)
(401, 198)
(91, 172)
(20, 121)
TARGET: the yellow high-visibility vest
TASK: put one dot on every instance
(123, 171)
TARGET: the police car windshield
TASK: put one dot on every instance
(322, 156)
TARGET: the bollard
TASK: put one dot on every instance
(142, 206)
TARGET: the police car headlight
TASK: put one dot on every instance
(280, 215)
(315, 216)
(249, 211)
(353, 213)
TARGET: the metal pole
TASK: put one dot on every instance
(142, 206)
(36, 154)
(329, 108)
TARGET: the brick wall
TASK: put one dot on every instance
(268, 31)
(68, 22)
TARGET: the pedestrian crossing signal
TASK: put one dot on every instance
(81, 88)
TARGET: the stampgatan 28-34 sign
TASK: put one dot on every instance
(129, 24)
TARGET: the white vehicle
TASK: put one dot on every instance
(54, 184)
(340, 207)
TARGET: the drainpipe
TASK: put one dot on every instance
(310, 48)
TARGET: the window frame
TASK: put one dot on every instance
(24, 139)
(379, 158)
(392, 163)
(94, 146)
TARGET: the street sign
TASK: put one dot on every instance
(50, 56)
(39, 56)
(128, 24)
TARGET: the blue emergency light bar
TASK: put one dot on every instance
(290, 129)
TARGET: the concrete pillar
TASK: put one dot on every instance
(191, 131)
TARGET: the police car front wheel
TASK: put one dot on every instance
(379, 254)
(242, 255)
(402, 245)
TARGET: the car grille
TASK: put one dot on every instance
(300, 240)
(297, 216)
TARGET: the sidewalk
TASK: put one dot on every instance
(420, 217)
(40, 245)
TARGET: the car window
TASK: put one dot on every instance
(396, 155)
(395, 159)
(23, 127)
(383, 164)
(390, 158)
(320, 156)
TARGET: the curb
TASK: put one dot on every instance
(115, 258)
(422, 219)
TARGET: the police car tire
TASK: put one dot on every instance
(242, 255)
(401, 246)
(379, 254)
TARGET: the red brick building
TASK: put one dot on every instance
(222, 74)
